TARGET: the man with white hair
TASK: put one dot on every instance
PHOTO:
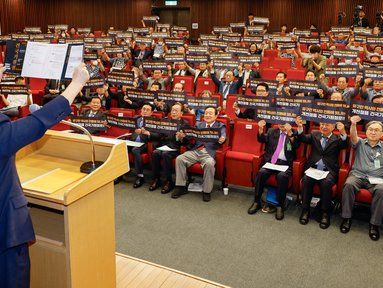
(366, 173)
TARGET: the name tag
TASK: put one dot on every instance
(289, 147)
(377, 163)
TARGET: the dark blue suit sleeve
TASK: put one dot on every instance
(215, 80)
(17, 134)
(223, 131)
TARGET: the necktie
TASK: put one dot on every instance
(226, 90)
(207, 125)
(141, 55)
(139, 124)
(323, 142)
(281, 144)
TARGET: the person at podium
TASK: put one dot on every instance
(16, 233)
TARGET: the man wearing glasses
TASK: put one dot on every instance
(366, 173)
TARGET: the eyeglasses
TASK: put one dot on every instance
(376, 130)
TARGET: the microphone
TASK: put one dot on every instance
(87, 167)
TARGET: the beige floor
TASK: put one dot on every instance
(133, 272)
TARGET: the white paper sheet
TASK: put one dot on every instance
(75, 58)
(316, 174)
(375, 180)
(133, 143)
(166, 148)
(44, 60)
(282, 168)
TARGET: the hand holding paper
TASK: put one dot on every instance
(80, 77)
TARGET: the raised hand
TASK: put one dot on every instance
(355, 119)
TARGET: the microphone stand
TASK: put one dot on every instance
(90, 166)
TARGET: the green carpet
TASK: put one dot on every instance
(219, 241)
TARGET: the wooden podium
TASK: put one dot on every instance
(72, 212)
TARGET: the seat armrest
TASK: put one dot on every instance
(298, 169)
(342, 177)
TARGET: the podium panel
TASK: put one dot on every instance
(73, 218)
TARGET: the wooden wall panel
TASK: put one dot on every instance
(100, 14)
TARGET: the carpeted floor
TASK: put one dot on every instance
(219, 241)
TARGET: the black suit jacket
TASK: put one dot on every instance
(235, 85)
(271, 138)
(99, 115)
(329, 155)
(136, 53)
(146, 138)
(186, 73)
(170, 139)
(249, 113)
(56, 85)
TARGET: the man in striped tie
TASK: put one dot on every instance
(280, 145)
(325, 149)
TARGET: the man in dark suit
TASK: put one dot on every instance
(281, 144)
(94, 112)
(228, 86)
(143, 136)
(325, 149)
(181, 71)
(202, 152)
(123, 101)
(141, 54)
(173, 141)
(261, 90)
(361, 20)
(53, 88)
(249, 74)
(16, 232)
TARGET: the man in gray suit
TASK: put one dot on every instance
(157, 77)
(202, 152)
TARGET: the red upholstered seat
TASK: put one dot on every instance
(114, 132)
(203, 84)
(190, 118)
(186, 81)
(37, 87)
(283, 64)
(243, 161)
(364, 196)
(296, 74)
(269, 73)
(229, 107)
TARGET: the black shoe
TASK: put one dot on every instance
(155, 184)
(139, 181)
(325, 221)
(304, 218)
(280, 213)
(374, 232)
(206, 197)
(254, 208)
(345, 226)
(169, 185)
(179, 191)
